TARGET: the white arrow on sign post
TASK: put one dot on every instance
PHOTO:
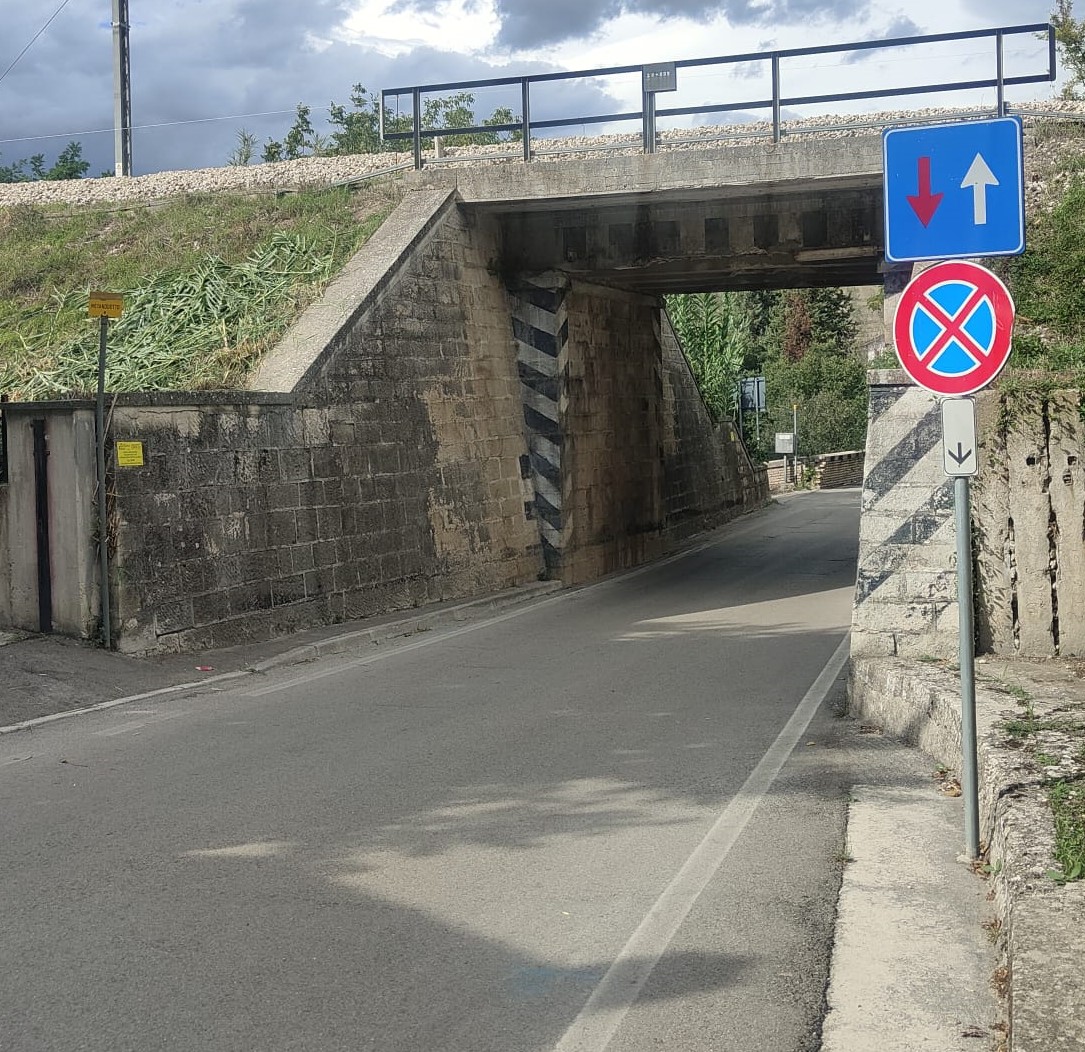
(959, 436)
(979, 176)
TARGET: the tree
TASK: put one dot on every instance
(69, 165)
(299, 139)
(1070, 38)
(713, 338)
(356, 129)
(829, 387)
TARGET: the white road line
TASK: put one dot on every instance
(602, 1015)
(135, 725)
(39, 721)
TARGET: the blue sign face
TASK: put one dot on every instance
(954, 191)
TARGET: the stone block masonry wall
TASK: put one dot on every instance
(642, 463)
(614, 507)
(386, 475)
(830, 471)
(905, 597)
(387, 457)
(708, 475)
(1029, 524)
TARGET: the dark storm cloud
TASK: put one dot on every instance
(194, 59)
(901, 26)
(527, 23)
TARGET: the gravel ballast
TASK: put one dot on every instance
(315, 172)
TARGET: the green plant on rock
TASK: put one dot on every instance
(1067, 801)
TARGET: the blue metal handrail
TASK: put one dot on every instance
(648, 112)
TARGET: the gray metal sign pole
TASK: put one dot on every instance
(103, 521)
(969, 766)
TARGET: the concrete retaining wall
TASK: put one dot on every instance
(1028, 524)
(829, 471)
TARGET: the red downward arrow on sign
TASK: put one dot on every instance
(925, 204)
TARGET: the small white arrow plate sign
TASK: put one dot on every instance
(959, 436)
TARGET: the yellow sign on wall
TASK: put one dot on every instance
(130, 454)
(105, 305)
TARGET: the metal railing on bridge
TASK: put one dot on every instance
(663, 76)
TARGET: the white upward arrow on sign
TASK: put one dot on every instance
(979, 176)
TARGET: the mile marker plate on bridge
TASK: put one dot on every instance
(954, 191)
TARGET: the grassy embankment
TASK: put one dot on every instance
(210, 283)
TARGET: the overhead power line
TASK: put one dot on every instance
(29, 45)
(145, 127)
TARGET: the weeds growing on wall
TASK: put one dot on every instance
(210, 283)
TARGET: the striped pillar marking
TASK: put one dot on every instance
(901, 484)
(540, 328)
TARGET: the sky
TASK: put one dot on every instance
(203, 70)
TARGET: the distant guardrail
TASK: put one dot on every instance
(656, 77)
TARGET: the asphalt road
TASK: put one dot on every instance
(583, 824)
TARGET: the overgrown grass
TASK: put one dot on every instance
(210, 283)
(1065, 794)
(1067, 800)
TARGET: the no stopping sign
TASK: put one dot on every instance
(953, 328)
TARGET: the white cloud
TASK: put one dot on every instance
(462, 26)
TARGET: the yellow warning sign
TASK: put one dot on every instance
(105, 305)
(130, 454)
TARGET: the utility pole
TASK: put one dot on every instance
(122, 91)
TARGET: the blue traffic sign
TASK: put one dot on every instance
(954, 191)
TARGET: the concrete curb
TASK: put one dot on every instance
(1042, 923)
(425, 621)
(407, 626)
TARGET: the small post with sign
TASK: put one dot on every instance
(103, 306)
(953, 332)
(661, 76)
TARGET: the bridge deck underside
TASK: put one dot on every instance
(654, 243)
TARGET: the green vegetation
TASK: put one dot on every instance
(68, 165)
(210, 283)
(356, 128)
(800, 340)
(1067, 800)
(1048, 290)
(1066, 793)
(1070, 38)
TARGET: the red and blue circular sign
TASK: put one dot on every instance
(953, 328)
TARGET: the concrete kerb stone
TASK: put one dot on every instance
(408, 626)
(383, 632)
(1042, 923)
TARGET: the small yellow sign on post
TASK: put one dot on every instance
(130, 454)
(105, 305)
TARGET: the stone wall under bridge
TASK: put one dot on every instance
(1028, 521)
(389, 454)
